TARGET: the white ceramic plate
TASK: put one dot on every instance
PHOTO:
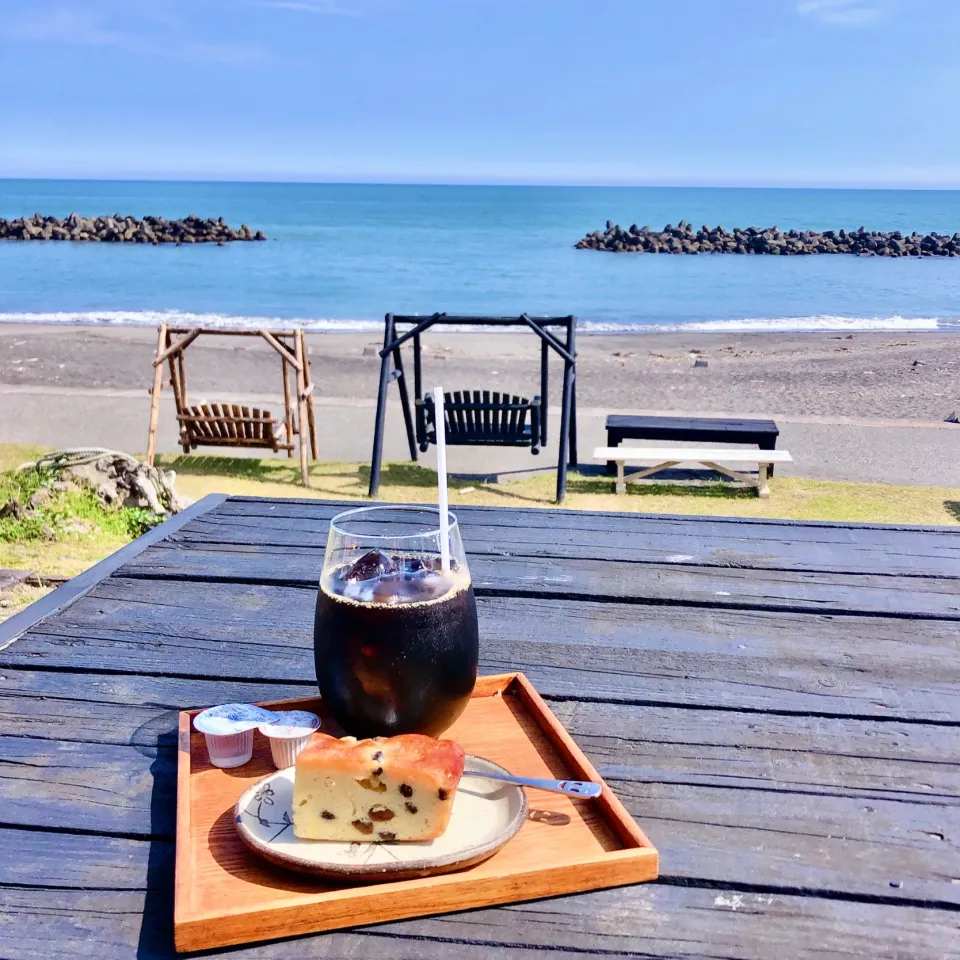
(486, 814)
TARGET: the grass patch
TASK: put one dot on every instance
(67, 532)
(791, 498)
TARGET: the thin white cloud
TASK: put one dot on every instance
(305, 6)
(62, 25)
(844, 13)
(148, 28)
(330, 8)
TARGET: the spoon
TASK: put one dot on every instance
(575, 788)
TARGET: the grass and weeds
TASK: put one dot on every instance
(791, 498)
(85, 531)
(68, 531)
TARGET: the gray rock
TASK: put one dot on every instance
(121, 229)
(12, 510)
(771, 241)
(40, 498)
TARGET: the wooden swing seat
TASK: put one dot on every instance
(482, 418)
(230, 425)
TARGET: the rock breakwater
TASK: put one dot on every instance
(121, 229)
(682, 238)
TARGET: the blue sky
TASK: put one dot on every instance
(752, 92)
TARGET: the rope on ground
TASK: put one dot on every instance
(74, 457)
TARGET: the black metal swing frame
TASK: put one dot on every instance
(473, 417)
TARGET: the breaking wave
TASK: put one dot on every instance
(151, 318)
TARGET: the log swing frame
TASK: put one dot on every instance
(233, 425)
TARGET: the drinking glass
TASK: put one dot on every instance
(395, 636)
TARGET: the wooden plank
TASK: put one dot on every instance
(449, 420)
(177, 347)
(229, 425)
(218, 427)
(155, 396)
(455, 415)
(85, 861)
(311, 416)
(234, 426)
(779, 837)
(60, 598)
(773, 590)
(940, 545)
(647, 920)
(288, 410)
(119, 708)
(285, 353)
(899, 760)
(645, 545)
(652, 427)
(870, 848)
(911, 763)
(698, 454)
(790, 663)
(102, 788)
(303, 428)
(817, 530)
(208, 428)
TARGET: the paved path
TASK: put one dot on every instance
(884, 451)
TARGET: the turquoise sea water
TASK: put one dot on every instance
(340, 255)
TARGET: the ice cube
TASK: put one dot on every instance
(423, 585)
(359, 590)
(387, 591)
(372, 564)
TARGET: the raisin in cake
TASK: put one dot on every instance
(396, 788)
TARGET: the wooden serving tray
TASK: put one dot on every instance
(226, 895)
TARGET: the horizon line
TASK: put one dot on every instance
(373, 182)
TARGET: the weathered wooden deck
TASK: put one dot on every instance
(778, 705)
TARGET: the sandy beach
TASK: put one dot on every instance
(850, 406)
(912, 376)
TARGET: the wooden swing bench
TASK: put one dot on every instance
(481, 418)
(229, 425)
(478, 417)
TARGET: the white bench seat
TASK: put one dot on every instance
(665, 457)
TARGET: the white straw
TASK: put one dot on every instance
(441, 425)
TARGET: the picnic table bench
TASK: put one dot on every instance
(621, 427)
(666, 457)
(776, 703)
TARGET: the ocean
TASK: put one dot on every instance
(339, 256)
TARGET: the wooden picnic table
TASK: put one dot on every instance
(776, 703)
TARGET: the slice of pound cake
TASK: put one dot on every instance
(395, 788)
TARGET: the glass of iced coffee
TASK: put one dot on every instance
(395, 634)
